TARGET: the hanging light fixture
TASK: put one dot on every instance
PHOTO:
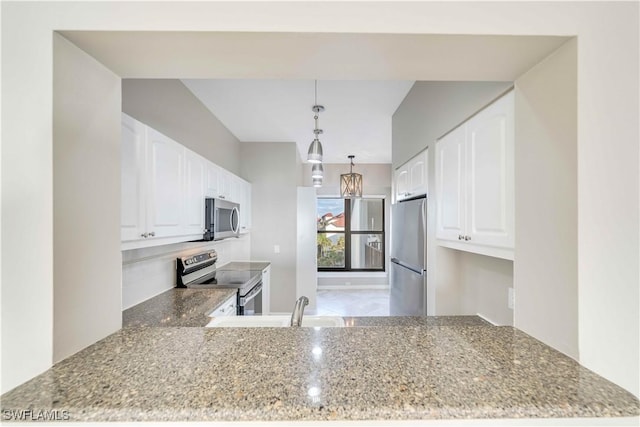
(315, 149)
(317, 171)
(351, 183)
(317, 182)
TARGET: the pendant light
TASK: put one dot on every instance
(315, 149)
(317, 171)
(317, 182)
(351, 183)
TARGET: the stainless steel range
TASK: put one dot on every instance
(199, 272)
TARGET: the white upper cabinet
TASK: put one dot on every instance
(475, 183)
(245, 205)
(165, 166)
(132, 208)
(194, 192)
(450, 185)
(164, 186)
(410, 179)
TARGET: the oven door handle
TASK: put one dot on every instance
(250, 295)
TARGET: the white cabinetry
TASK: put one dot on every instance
(410, 179)
(475, 183)
(163, 187)
(266, 290)
(244, 199)
(165, 174)
(228, 308)
(132, 207)
(194, 192)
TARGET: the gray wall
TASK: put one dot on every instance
(429, 110)
(169, 107)
(273, 170)
(86, 200)
(546, 173)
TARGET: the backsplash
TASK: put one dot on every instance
(147, 272)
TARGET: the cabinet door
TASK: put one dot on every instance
(418, 175)
(266, 290)
(450, 185)
(224, 184)
(490, 175)
(245, 206)
(165, 161)
(132, 208)
(401, 178)
(194, 192)
(211, 189)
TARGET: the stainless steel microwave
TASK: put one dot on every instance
(222, 219)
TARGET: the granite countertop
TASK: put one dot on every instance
(440, 368)
(176, 307)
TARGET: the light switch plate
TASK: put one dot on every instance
(276, 249)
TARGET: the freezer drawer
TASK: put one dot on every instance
(408, 293)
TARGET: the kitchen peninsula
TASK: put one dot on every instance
(393, 369)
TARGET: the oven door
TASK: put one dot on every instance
(251, 302)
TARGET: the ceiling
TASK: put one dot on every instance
(262, 82)
(356, 120)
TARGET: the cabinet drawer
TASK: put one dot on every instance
(228, 308)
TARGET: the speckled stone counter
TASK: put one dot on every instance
(431, 371)
(176, 307)
(403, 321)
(245, 265)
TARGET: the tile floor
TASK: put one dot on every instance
(365, 302)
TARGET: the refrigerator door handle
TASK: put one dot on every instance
(409, 267)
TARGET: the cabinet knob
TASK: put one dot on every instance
(460, 237)
(467, 238)
(152, 234)
(145, 235)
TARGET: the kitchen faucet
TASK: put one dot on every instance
(298, 311)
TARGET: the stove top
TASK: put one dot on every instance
(199, 271)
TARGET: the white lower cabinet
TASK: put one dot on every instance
(163, 188)
(227, 308)
(475, 183)
(266, 290)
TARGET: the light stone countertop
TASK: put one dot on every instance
(444, 368)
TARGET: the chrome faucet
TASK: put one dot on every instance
(298, 311)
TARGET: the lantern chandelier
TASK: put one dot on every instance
(351, 183)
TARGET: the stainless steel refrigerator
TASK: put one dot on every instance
(408, 275)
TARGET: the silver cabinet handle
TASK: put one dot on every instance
(145, 235)
(221, 196)
(152, 234)
(467, 238)
(460, 237)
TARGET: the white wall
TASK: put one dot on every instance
(608, 152)
(484, 284)
(86, 204)
(429, 110)
(147, 272)
(546, 201)
(272, 169)
(168, 106)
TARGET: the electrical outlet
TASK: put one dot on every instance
(511, 297)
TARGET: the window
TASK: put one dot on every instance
(350, 234)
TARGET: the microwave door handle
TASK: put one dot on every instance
(235, 226)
